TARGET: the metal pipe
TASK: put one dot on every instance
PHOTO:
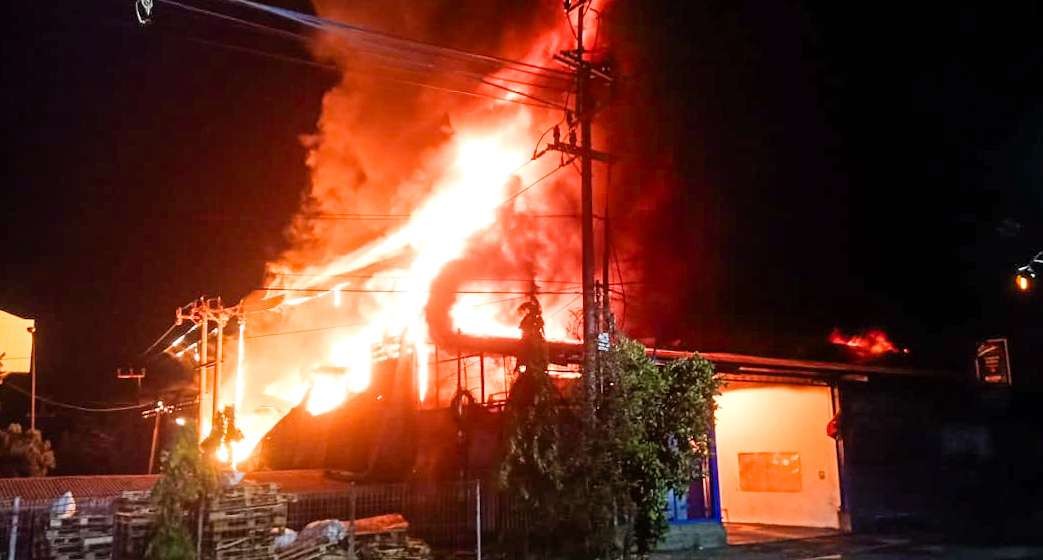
(438, 378)
(32, 368)
(12, 543)
(481, 369)
(351, 536)
(478, 518)
(844, 513)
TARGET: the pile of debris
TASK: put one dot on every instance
(76, 536)
(375, 538)
(408, 549)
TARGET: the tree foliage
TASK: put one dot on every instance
(187, 478)
(658, 420)
(24, 453)
(534, 461)
(591, 478)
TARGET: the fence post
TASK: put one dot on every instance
(351, 537)
(199, 528)
(478, 517)
(12, 543)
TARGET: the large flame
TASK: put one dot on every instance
(453, 218)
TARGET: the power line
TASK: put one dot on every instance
(303, 331)
(75, 406)
(160, 339)
(387, 40)
(373, 276)
(397, 291)
(349, 217)
(534, 183)
(396, 58)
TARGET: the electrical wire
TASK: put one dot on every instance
(392, 54)
(77, 407)
(349, 325)
(540, 103)
(395, 291)
(373, 276)
(402, 43)
(303, 331)
(501, 205)
(160, 339)
(534, 183)
(350, 217)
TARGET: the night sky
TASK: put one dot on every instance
(815, 167)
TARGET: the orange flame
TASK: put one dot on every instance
(347, 295)
(870, 344)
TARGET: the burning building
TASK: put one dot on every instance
(432, 214)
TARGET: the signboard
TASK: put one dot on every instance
(992, 362)
(16, 343)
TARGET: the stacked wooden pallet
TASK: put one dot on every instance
(135, 517)
(240, 520)
(77, 537)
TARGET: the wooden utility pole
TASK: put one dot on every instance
(155, 437)
(158, 411)
(584, 111)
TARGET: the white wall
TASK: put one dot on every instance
(760, 418)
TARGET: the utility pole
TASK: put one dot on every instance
(584, 111)
(206, 403)
(157, 412)
(202, 312)
(584, 107)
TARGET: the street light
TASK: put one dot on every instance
(1025, 277)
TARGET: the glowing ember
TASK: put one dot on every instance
(870, 344)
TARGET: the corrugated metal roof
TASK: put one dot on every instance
(103, 486)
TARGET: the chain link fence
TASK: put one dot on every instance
(22, 522)
(447, 515)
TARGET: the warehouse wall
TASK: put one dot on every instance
(776, 465)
